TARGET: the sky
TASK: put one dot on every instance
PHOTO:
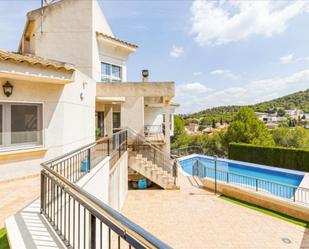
(216, 52)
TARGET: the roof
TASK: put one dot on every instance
(34, 60)
(117, 40)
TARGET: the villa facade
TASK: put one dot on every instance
(69, 87)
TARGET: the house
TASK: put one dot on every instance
(191, 128)
(65, 87)
(68, 78)
(294, 113)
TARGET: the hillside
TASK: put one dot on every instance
(298, 100)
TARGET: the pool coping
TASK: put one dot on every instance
(261, 166)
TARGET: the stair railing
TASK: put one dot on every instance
(153, 153)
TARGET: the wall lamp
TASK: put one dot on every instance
(7, 89)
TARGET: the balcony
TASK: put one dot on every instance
(154, 133)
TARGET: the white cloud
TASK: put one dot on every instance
(287, 59)
(225, 73)
(220, 22)
(197, 73)
(290, 58)
(193, 87)
(253, 92)
(176, 51)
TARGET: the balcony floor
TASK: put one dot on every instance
(195, 218)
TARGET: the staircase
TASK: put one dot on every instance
(151, 162)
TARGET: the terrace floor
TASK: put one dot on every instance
(195, 218)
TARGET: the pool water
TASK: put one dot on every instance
(277, 181)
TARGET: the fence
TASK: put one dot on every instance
(80, 219)
(285, 191)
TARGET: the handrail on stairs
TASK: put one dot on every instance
(153, 153)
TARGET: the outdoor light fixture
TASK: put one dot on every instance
(7, 89)
(145, 74)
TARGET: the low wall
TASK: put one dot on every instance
(97, 181)
(259, 199)
(118, 182)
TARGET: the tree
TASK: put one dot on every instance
(179, 126)
(281, 112)
(247, 128)
(213, 123)
(296, 137)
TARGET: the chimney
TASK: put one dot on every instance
(145, 74)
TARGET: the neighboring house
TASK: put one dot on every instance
(191, 128)
(294, 113)
(68, 78)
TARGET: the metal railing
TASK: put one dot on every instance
(288, 192)
(153, 153)
(188, 150)
(80, 219)
(153, 129)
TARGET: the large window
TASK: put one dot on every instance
(110, 73)
(20, 125)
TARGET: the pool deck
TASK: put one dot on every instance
(195, 218)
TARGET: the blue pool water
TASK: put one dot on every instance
(280, 182)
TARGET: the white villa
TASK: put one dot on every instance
(65, 91)
(69, 116)
(69, 84)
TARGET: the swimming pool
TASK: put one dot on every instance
(276, 181)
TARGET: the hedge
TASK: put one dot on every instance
(289, 158)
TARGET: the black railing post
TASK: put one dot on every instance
(256, 185)
(126, 139)
(92, 232)
(42, 193)
(215, 158)
(108, 149)
(227, 177)
(89, 159)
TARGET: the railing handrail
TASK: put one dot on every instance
(104, 139)
(150, 144)
(256, 178)
(92, 203)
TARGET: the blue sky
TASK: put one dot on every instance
(217, 52)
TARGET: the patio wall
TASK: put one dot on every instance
(262, 200)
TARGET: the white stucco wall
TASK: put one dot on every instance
(68, 121)
(118, 185)
(67, 33)
(108, 185)
(132, 111)
(70, 34)
(96, 182)
(153, 116)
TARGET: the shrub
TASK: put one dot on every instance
(289, 158)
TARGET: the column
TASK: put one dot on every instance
(167, 136)
(108, 113)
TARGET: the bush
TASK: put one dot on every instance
(289, 158)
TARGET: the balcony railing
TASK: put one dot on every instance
(284, 191)
(160, 158)
(80, 219)
(153, 129)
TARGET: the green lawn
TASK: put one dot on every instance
(4, 244)
(266, 211)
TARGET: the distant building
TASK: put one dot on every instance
(191, 128)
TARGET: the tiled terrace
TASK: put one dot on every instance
(194, 218)
(16, 194)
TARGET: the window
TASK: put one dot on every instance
(116, 121)
(110, 73)
(20, 125)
